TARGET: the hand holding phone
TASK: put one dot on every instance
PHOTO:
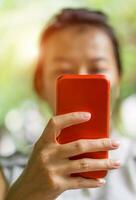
(87, 93)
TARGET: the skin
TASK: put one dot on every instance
(91, 52)
(3, 186)
(47, 174)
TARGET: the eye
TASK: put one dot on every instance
(63, 71)
(98, 70)
(102, 70)
(66, 71)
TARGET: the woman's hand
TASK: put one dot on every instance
(47, 174)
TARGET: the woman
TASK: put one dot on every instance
(77, 41)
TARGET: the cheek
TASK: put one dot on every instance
(112, 79)
(48, 80)
(49, 86)
(114, 92)
(113, 76)
(113, 97)
(49, 93)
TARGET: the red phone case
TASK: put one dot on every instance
(89, 93)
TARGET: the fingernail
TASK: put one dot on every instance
(101, 182)
(115, 143)
(116, 163)
(86, 115)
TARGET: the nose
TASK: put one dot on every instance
(83, 70)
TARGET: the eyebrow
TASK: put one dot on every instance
(93, 60)
(98, 59)
(62, 59)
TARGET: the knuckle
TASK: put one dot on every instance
(53, 122)
(105, 143)
(107, 164)
(110, 163)
(58, 151)
(55, 183)
(83, 183)
(44, 157)
(79, 146)
(79, 183)
(73, 115)
(83, 164)
(50, 171)
(92, 143)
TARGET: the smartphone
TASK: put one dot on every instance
(88, 93)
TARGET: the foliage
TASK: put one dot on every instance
(20, 27)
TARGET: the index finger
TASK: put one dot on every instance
(57, 123)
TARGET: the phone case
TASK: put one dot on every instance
(89, 93)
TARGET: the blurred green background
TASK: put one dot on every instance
(21, 22)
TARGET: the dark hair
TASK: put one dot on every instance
(72, 16)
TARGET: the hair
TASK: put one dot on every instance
(80, 16)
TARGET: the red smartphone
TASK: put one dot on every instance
(89, 93)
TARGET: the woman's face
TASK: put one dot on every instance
(78, 50)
